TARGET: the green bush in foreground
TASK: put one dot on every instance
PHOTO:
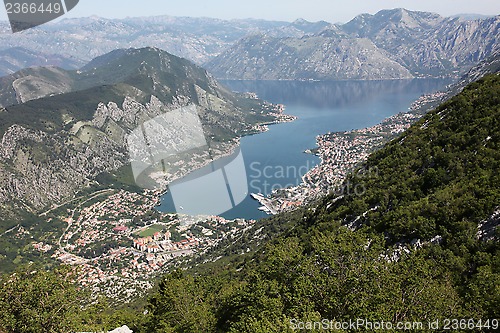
(35, 301)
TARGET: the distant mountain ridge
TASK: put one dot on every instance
(151, 70)
(405, 44)
(196, 39)
(425, 44)
(471, 17)
(13, 59)
(317, 57)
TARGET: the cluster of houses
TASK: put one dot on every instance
(149, 244)
(42, 247)
(161, 242)
(120, 229)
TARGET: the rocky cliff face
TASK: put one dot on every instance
(390, 44)
(426, 43)
(39, 169)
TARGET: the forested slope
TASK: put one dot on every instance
(411, 251)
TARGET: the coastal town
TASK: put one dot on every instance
(118, 243)
(340, 153)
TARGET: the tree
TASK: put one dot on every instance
(182, 304)
(38, 301)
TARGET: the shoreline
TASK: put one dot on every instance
(340, 153)
(259, 128)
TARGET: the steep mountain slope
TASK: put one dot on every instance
(438, 174)
(34, 83)
(319, 57)
(432, 189)
(489, 66)
(53, 146)
(426, 43)
(390, 44)
(391, 29)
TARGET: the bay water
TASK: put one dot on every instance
(277, 158)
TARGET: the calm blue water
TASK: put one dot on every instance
(276, 158)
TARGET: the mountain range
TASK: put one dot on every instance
(83, 39)
(420, 242)
(319, 57)
(395, 43)
(427, 43)
(390, 44)
(16, 58)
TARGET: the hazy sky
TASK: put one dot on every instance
(287, 10)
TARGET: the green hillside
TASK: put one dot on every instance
(436, 182)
